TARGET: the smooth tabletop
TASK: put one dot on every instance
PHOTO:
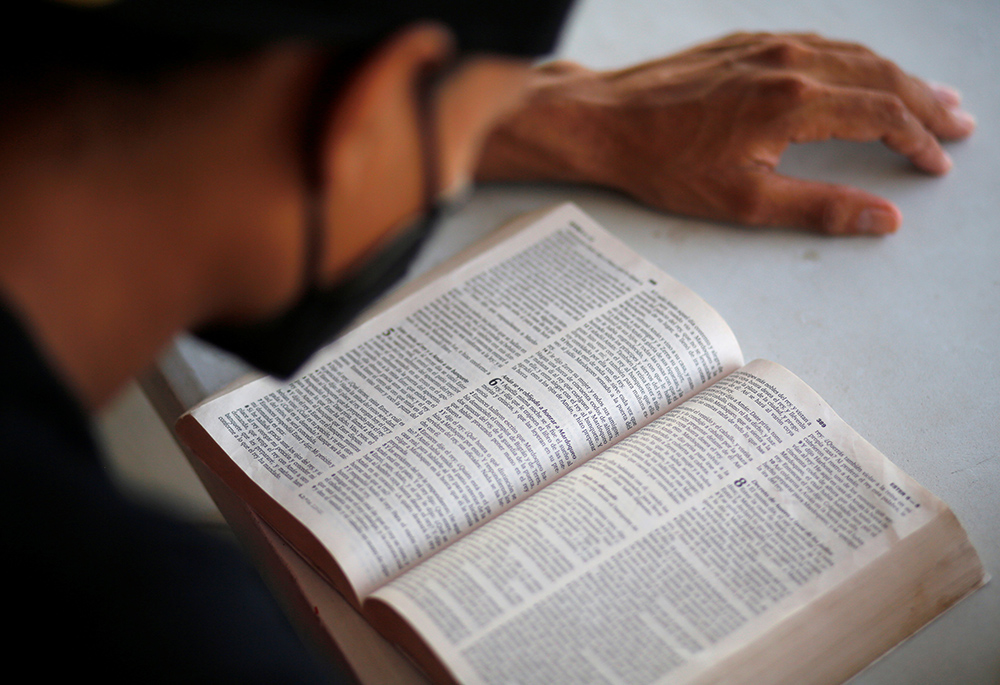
(900, 334)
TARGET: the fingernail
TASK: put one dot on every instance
(946, 94)
(964, 119)
(946, 163)
(876, 220)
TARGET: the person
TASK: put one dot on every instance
(257, 171)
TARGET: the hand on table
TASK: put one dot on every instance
(701, 132)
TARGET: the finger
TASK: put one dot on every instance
(948, 96)
(864, 115)
(938, 108)
(845, 64)
(822, 207)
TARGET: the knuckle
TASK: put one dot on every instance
(860, 48)
(791, 88)
(748, 204)
(894, 110)
(893, 78)
(783, 52)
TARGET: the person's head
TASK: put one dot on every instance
(288, 140)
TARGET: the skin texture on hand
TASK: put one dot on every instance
(701, 132)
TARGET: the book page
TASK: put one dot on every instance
(671, 550)
(473, 393)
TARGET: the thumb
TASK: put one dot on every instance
(823, 207)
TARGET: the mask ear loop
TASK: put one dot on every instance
(326, 95)
(427, 87)
(331, 83)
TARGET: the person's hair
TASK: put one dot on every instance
(58, 46)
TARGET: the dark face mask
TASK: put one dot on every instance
(280, 346)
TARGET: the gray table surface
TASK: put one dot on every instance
(900, 334)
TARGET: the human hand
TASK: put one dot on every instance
(701, 132)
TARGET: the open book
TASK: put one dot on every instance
(550, 464)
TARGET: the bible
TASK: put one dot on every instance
(550, 463)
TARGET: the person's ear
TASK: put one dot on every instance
(372, 156)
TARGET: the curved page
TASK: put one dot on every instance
(471, 394)
(676, 548)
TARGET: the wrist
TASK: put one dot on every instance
(554, 135)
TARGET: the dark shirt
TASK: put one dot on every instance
(97, 584)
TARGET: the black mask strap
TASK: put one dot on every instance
(326, 96)
(331, 83)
